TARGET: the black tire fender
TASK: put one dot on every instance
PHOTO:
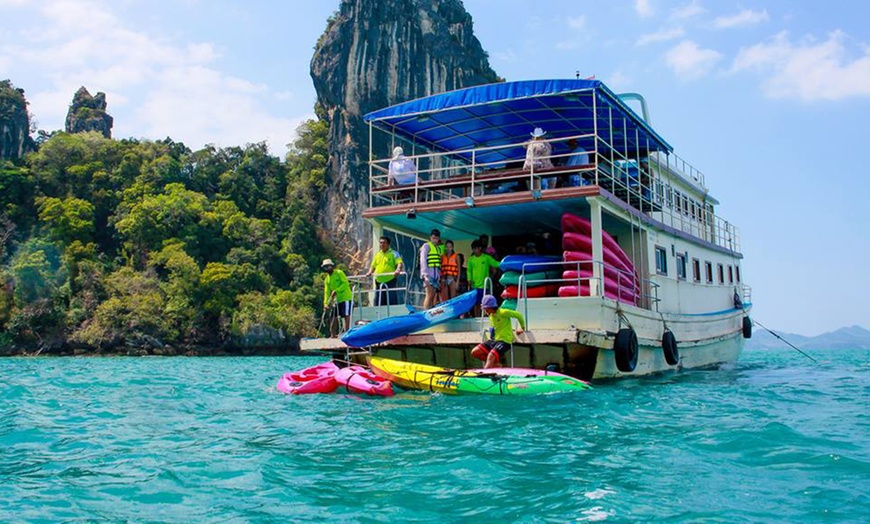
(747, 327)
(669, 348)
(625, 350)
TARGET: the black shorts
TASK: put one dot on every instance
(343, 308)
(498, 346)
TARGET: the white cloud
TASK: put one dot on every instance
(689, 61)
(662, 35)
(643, 8)
(577, 22)
(169, 87)
(744, 18)
(810, 70)
(568, 45)
(204, 106)
(689, 10)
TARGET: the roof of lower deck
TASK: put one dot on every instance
(502, 114)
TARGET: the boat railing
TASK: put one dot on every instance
(366, 289)
(747, 294)
(641, 181)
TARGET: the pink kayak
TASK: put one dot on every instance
(357, 379)
(316, 379)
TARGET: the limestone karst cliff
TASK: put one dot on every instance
(88, 113)
(375, 53)
(15, 138)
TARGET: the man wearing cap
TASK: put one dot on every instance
(430, 268)
(538, 156)
(336, 289)
(386, 265)
(492, 351)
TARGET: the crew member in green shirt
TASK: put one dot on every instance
(478, 267)
(492, 351)
(337, 288)
(386, 265)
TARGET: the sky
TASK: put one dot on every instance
(768, 99)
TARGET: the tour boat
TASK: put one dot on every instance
(654, 275)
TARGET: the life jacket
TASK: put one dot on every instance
(434, 258)
(450, 265)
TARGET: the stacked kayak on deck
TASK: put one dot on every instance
(541, 274)
(620, 279)
(495, 381)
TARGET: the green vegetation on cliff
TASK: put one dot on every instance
(108, 244)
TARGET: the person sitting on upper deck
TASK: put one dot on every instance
(402, 169)
(579, 157)
(538, 156)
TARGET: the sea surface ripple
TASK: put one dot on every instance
(773, 438)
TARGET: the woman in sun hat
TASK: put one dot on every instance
(538, 156)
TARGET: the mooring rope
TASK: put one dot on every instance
(784, 340)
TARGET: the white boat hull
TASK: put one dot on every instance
(577, 335)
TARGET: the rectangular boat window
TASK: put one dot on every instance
(721, 270)
(730, 274)
(681, 266)
(696, 270)
(737, 271)
(708, 268)
(661, 261)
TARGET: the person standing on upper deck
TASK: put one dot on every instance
(402, 171)
(539, 156)
(430, 268)
(579, 157)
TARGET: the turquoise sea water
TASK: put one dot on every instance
(774, 438)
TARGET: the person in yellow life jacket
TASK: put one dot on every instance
(336, 289)
(451, 264)
(386, 265)
(493, 351)
(430, 268)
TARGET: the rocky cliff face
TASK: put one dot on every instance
(88, 113)
(375, 53)
(15, 138)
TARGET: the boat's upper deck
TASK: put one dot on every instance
(468, 147)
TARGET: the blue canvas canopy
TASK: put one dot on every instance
(505, 113)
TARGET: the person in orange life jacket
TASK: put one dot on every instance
(451, 263)
(430, 268)
(492, 351)
(336, 288)
(386, 265)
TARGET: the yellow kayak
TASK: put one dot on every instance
(495, 381)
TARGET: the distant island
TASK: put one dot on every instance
(852, 337)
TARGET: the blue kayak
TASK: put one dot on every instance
(392, 327)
